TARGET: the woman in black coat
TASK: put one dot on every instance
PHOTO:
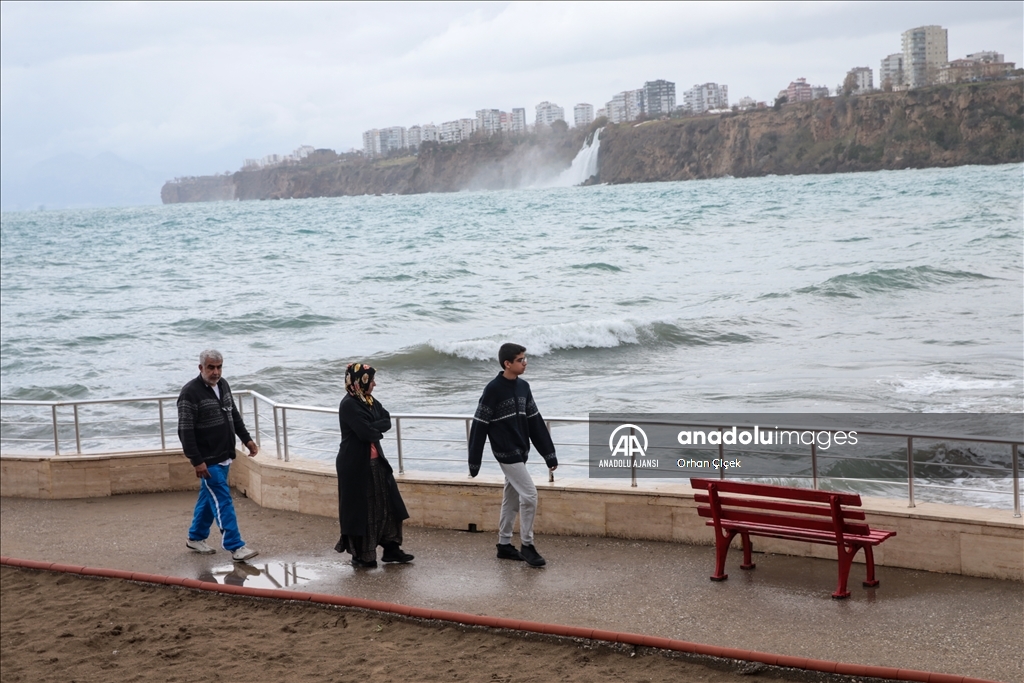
(370, 508)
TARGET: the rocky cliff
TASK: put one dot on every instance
(938, 126)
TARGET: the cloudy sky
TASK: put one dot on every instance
(194, 88)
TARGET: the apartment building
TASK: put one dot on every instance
(583, 115)
(890, 74)
(659, 98)
(548, 113)
(489, 121)
(701, 98)
(862, 79)
(628, 105)
(925, 51)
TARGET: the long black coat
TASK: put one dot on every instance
(361, 425)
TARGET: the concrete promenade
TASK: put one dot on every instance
(916, 619)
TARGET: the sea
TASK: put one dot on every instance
(882, 292)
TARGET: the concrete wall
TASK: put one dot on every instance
(941, 538)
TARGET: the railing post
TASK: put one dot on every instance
(163, 431)
(78, 432)
(632, 458)
(398, 440)
(551, 475)
(910, 471)
(468, 421)
(277, 434)
(284, 431)
(1016, 480)
(721, 453)
(56, 440)
(814, 465)
(256, 420)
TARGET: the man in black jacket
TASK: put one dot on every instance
(508, 416)
(208, 422)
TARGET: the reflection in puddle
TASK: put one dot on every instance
(265, 575)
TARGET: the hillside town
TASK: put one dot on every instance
(922, 61)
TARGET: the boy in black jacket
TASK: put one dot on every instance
(508, 416)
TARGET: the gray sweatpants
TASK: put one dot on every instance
(520, 496)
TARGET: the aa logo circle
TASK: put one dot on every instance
(628, 442)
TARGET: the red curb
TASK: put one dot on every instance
(825, 665)
(881, 672)
(610, 636)
(515, 624)
(944, 678)
(336, 600)
(851, 669)
(794, 662)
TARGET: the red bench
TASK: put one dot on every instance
(791, 513)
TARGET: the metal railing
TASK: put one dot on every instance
(148, 409)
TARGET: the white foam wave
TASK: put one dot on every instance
(939, 383)
(544, 339)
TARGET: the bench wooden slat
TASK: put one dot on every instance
(778, 505)
(805, 523)
(772, 491)
(875, 536)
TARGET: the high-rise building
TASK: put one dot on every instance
(890, 74)
(414, 137)
(429, 133)
(659, 98)
(548, 113)
(489, 121)
(583, 115)
(628, 105)
(799, 91)
(862, 79)
(925, 51)
(701, 98)
(517, 121)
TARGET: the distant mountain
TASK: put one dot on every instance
(76, 181)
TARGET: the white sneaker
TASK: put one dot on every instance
(244, 553)
(200, 547)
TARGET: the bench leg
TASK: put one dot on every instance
(747, 549)
(845, 562)
(722, 541)
(869, 556)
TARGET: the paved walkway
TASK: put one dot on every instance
(915, 619)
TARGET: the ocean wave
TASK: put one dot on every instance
(940, 383)
(854, 285)
(606, 267)
(256, 322)
(543, 340)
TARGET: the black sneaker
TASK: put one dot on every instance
(396, 554)
(507, 551)
(532, 557)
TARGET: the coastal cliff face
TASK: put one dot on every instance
(938, 126)
(488, 164)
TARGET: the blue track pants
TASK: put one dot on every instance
(215, 505)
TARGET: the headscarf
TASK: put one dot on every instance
(357, 378)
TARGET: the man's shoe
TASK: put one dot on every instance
(364, 564)
(394, 553)
(531, 556)
(244, 553)
(507, 551)
(200, 547)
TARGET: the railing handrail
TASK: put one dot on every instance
(559, 419)
(280, 413)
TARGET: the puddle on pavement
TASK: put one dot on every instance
(260, 575)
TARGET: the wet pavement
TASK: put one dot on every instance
(914, 619)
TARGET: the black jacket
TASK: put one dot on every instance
(361, 425)
(508, 416)
(207, 425)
